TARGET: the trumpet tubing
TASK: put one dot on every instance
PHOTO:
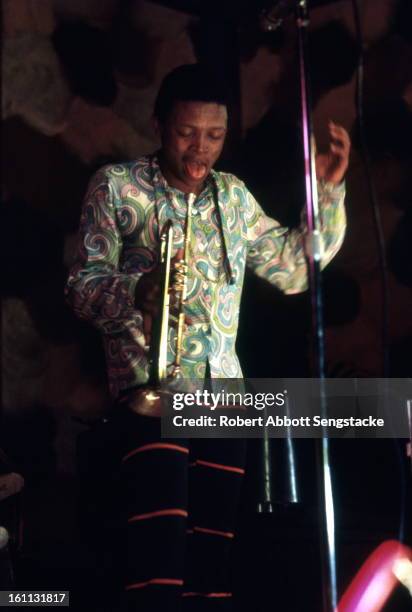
(173, 281)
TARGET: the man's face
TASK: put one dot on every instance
(192, 140)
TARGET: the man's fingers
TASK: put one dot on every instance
(147, 291)
(341, 143)
(147, 327)
(339, 135)
(180, 253)
(152, 294)
(341, 138)
(338, 150)
(332, 165)
(151, 308)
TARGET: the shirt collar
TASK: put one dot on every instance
(163, 184)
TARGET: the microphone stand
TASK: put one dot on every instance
(274, 18)
(313, 256)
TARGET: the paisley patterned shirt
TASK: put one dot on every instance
(124, 212)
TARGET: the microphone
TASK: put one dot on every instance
(272, 18)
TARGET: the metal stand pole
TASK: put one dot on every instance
(326, 509)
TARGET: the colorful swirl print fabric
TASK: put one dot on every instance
(124, 212)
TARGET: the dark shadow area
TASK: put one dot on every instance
(399, 259)
(85, 54)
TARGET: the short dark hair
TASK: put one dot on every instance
(190, 82)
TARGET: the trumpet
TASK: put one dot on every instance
(173, 281)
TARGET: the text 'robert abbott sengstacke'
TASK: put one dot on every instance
(289, 408)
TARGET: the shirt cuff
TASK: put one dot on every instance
(332, 189)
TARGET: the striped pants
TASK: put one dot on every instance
(180, 500)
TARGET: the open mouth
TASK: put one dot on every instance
(196, 170)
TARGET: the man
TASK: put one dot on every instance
(179, 542)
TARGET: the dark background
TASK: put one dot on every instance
(79, 79)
